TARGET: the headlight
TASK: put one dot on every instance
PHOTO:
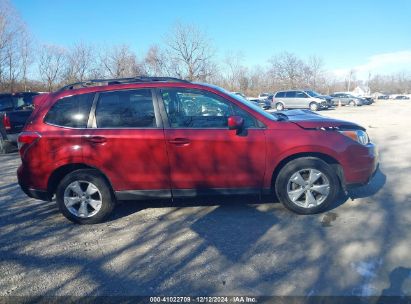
(357, 135)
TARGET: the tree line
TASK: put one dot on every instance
(186, 52)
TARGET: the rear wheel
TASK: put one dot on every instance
(314, 106)
(307, 185)
(85, 197)
(279, 106)
(352, 103)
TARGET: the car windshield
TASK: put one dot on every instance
(312, 93)
(244, 101)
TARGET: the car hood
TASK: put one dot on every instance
(307, 119)
(326, 97)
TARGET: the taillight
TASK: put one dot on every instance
(6, 122)
(25, 140)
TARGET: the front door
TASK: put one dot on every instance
(204, 155)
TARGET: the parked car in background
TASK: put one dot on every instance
(384, 97)
(346, 99)
(152, 138)
(239, 94)
(367, 100)
(297, 99)
(265, 95)
(15, 108)
(327, 98)
(401, 97)
(262, 103)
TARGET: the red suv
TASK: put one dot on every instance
(91, 144)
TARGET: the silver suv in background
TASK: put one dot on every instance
(298, 99)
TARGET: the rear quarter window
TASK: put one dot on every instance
(6, 103)
(280, 95)
(70, 111)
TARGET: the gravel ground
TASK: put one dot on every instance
(359, 247)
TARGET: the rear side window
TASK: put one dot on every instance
(280, 95)
(71, 111)
(126, 109)
(21, 101)
(6, 103)
(290, 94)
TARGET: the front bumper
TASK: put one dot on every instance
(361, 168)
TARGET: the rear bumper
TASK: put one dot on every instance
(30, 192)
(13, 137)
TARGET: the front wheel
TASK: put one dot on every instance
(85, 197)
(279, 106)
(307, 185)
(352, 103)
(314, 106)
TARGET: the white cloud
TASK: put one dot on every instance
(379, 64)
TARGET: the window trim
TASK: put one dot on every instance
(92, 123)
(166, 121)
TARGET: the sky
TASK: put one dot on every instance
(370, 36)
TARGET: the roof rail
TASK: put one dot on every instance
(101, 82)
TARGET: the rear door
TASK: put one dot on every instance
(205, 156)
(126, 142)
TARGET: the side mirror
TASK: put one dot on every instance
(235, 123)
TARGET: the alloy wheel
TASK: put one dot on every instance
(82, 199)
(308, 188)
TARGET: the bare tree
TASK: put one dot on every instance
(12, 32)
(288, 70)
(190, 52)
(26, 50)
(51, 64)
(156, 62)
(350, 78)
(120, 61)
(235, 75)
(313, 71)
(80, 63)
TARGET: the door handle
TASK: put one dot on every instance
(180, 141)
(95, 139)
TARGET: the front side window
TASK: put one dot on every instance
(126, 109)
(300, 94)
(71, 111)
(200, 109)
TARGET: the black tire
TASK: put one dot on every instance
(279, 106)
(104, 188)
(5, 147)
(314, 106)
(300, 164)
(352, 103)
(2, 146)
